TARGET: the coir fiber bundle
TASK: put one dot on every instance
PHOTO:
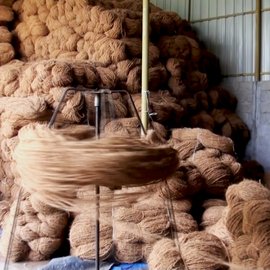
(5, 35)
(37, 236)
(239, 249)
(111, 162)
(234, 220)
(123, 127)
(165, 255)
(128, 252)
(7, 53)
(246, 190)
(217, 175)
(220, 230)
(212, 215)
(185, 148)
(6, 14)
(185, 223)
(201, 250)
(255, 212)
(84, 225)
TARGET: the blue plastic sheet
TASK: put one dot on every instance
(131, 266)
(74, 263)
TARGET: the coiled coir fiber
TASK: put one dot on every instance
(5, 35)
(43, 150)
(220, 230)
(239, 249)
(255, 213)
(234, 220)
(165, 255)
(7, 53)
(123, 127)
(246, 190)
(212, 215)
(37, 236)
(201, 250)
(6, 14)
(82, 236)
(185, 148)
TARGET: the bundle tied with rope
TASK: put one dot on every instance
(40, 147)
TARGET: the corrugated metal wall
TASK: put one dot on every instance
(228, 28)
(266, 39)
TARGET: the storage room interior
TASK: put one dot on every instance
(134, 134)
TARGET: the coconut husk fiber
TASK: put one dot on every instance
(220, 230)
(201, 250)
(185, 223)
(235, 167)
(134, 50)
(17, 112)
(123, 127)
(221, 98)
(255, 212)
(217, 175)
(239, 249)
(163, 107)
(6, 13)
(72, 106)
(202, 120)
(7, 148)
(7, 53)
(4, 210)
(5, 35)
(212, 215)
(146, 204)
(37, 236)
(211, 140)
(44, 138)
(175, 66)
(177, 87)
(213, 202)
(186, 148)
(174, 47)
(124, 67)
(185, 182)
(164, 23)
(157, 134)
(128, 252)
(129, 232)
(260, 235)
(84, 247)
(126, 214)
(234, 220)
(246, 190)
(197, 81)
(263, 261)
(165, 255)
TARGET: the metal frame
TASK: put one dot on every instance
(97, 106)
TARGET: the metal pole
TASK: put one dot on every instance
(258, 40)
(145, 61)
(97, 124)
(189, 11)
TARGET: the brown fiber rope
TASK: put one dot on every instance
(49, 163)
